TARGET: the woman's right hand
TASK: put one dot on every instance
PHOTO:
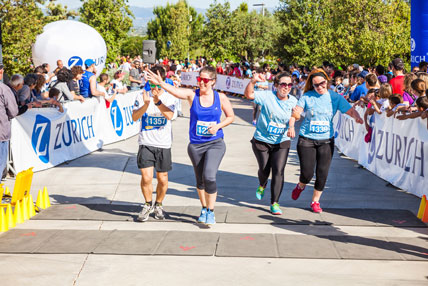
(291, 132)
(258, 77)
(154, 78)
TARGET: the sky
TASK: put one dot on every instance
(193, 3)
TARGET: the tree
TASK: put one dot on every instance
(112, 19)
(217, 34)
(22, 21)
(57, 12)
(180, 25)
(133, 46)
(343, 31)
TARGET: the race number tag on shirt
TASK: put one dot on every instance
(202, 128)
(156, 121)
(276, 129)
(319, 126)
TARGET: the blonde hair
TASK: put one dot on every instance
(385, 90)
(408, 78)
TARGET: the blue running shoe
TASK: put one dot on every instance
(274, 209)
(203, 217)
(260, 193)
(210, 220)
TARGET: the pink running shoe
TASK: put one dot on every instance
(296, 192)
(315, 206)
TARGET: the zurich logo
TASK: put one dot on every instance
(40, 137)
(412, 44)
(228, 81)
(116, 118)
(75, 61)
(339, 124)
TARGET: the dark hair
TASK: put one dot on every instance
(423, 65)
(30, 79)
(312, 74)
(117, 74)
(380, 70)
(40, 82)
(279, 76)
(76, 70)
(209, 70)
(419, 86)
(45, 65)
(158, 68)
(395, 98)
(103, 77)
(422, 102)
(53, 92)
(64, 75)
(173, 68)
(39, 69)
(371, 79)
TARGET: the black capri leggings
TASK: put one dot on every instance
(271, 157)
(315, 154)
(206, 159)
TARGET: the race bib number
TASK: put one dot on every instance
(276, 129)
(156, 121)
(202, 128)
(319, 126)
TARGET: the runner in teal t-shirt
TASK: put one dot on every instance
(316, 142)
(271, 143)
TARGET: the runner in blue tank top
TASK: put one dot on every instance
(206, 148)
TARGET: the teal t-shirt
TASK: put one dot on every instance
(272, 124)
(319, 111)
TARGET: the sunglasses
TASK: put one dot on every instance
(205, 80)
(316, 85)
(154, 85)
(284, 84)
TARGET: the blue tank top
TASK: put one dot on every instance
(85, 89)
(202, 117)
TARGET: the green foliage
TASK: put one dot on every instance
(112, 19)
(133, 46)
(57, 12)
(177, 23)
(343, 31)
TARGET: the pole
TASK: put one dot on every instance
(188, 36)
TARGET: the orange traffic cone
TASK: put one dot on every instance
(46, 201)
(39, 203)
(3, 222)
(425, 215)
(9, 216)
(17, 213)
(422, 207)
(24, 208)
(30, 206)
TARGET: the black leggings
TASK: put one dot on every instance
(206, 159)
(271, 156)
(315, 153)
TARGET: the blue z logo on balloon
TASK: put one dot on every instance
(40, 137)
(116, 118)
(75, 61)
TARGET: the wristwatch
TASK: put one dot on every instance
(158, 103)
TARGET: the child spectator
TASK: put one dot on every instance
(395, 104)
(339, 87)
(117, 82)
(110, 94)
(53, 99)
(408, 97)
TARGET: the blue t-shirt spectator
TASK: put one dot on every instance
(319, 112)
(359, 91)
(272, 125)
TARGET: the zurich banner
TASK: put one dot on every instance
(419, 32)
(224, 82)
(397, 152)
(43, 138)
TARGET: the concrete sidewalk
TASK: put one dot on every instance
(111, 176)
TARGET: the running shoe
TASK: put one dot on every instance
(203, 217)
(159, 212)
(210, 220)
(295, 194)
(274, 209)
(315, 206)
(145, 212)
(260, 193)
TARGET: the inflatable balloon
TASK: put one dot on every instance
(72, 42)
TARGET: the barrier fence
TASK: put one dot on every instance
(44, 138)
(397, 151)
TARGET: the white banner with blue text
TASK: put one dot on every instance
(43, 138)
(224, 83)
(396, 153)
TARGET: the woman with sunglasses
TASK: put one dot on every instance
(316, 142)
(271, 143)
(206, 148)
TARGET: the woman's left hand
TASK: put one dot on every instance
(213, 129)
